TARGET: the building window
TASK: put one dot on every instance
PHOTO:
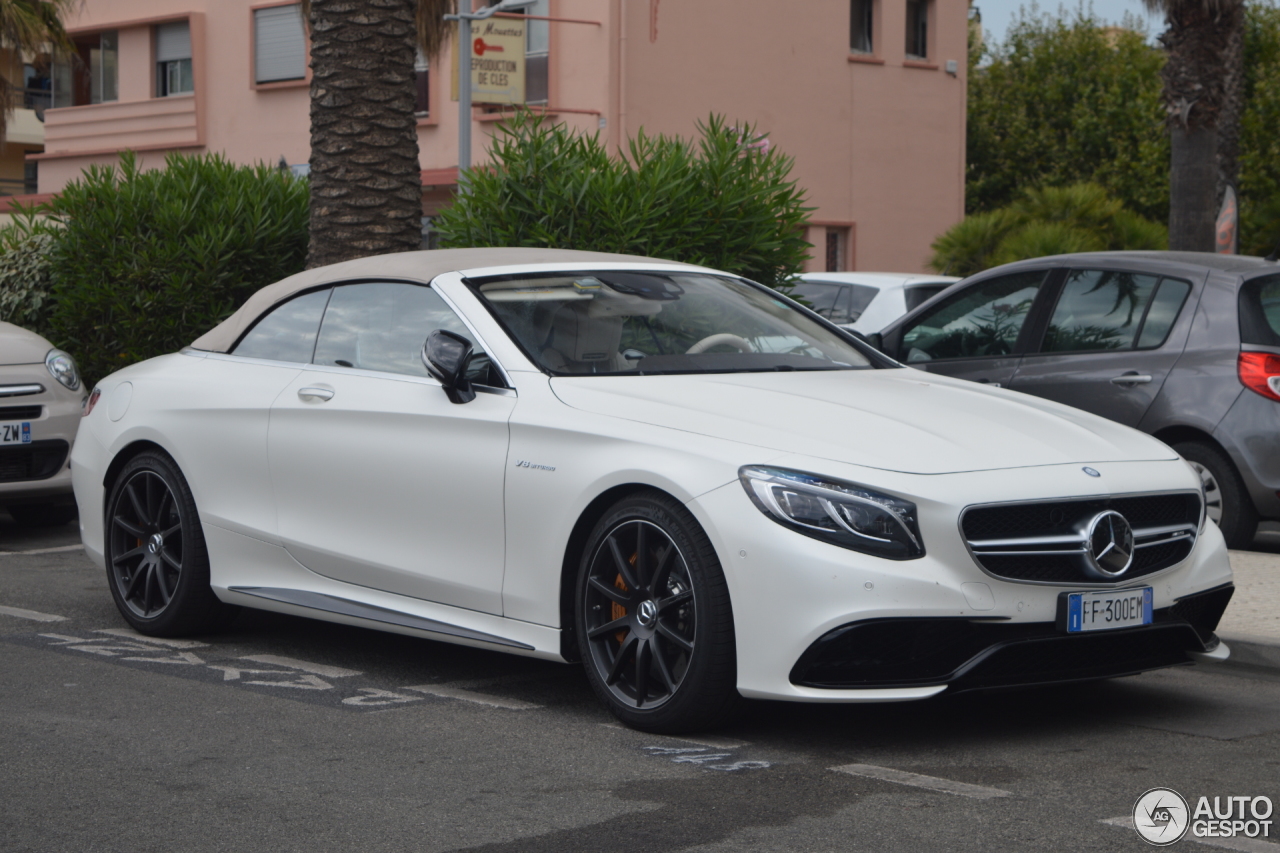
(917, 29)
(279, 44)
(537, 50)
(837, 249)
(91, 75)
(860, 20)
(422, 82)
(173, 60)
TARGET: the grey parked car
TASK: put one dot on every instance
(1182, 345)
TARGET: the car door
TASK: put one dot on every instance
(379, 480)
(1108, 346)
(976, 333)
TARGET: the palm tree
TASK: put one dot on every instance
(366, 191)
(28, 27)
(1202, 96)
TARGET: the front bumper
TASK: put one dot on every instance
(966, 654)
(40, 470)
(788, 591)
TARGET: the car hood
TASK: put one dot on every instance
(895, 419)
(18, 346)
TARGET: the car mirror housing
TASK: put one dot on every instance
(447, 356)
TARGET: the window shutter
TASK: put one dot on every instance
(173, 41)
(280, 44)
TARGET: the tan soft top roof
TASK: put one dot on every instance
(418, 266)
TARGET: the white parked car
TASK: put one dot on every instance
(40, 398)
(580, 456)
(867, 301)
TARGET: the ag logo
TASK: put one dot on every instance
(1161, 816)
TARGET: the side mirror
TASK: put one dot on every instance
(876, 340)
(447, 356)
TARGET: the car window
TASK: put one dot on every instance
(288, 332)
(982, 320)
(819, 296)
(860, 296)
(1260, 311)
(646, 323)
(1098, 310)
(922, 293)
(383, 325)
(1164, 310)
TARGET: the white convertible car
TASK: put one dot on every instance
(698, 488)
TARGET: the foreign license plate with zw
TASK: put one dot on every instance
(19, 433)
(1103, 611)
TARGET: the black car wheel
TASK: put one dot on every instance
(1227, 501)
(654, 624)
(157, 565)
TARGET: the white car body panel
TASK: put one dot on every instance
(889, 304)
(461, 515)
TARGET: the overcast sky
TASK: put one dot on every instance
(997, 14)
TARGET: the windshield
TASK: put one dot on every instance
(650, 323)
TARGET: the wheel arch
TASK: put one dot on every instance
(121, 459)
(587, 519)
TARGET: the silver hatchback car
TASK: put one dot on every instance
(1182, 345)
(40, 400)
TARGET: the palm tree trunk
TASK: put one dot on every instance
(366, 189)
(1193, 189)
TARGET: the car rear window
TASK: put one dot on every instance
(922, 293)
(1260, 311)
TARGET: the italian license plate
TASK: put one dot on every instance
(19, 433)
(1103, 611)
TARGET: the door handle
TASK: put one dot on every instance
(1131, 378)
(321, 394)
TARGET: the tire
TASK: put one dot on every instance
(157, 563)
(1227, 501)
(42, 514)
(653, 619)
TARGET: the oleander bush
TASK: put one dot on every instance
(724, 201)
(26, 279)
(144, 262)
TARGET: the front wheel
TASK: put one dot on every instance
(654, 623)
(157, 564)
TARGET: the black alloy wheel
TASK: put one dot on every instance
(654, 624)
(157, 565)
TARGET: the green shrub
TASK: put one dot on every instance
(26, 280)
(148, 261)
(724, 202)
(1045, 221)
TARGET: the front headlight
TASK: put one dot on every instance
(843, 514)
(63, 368)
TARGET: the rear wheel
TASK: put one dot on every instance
(157, 564)
(1227, 501)
(654, 624)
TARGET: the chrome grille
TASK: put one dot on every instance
(1044, 541)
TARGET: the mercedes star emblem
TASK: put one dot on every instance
(1108, 545)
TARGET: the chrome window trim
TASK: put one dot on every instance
(339, 370)
(1085, 583)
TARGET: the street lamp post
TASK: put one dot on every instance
(464, 20)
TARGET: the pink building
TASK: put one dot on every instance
(867, 95)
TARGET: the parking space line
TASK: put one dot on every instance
(33, 615)
(449, 692)
(1244, 845)
(130, 634)
(916, 780)
(59, 550)
(305, 666)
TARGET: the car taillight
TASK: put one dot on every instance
(1260, 372)
(90, 403)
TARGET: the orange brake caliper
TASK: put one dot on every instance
(616, 610)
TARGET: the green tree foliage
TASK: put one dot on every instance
(1045, 221)
(25, 281)
(725, 201)
(147, 261)
(1259, 136)
(1064, 100)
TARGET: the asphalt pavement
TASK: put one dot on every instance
(285, 734)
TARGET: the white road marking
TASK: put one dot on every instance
(59, 550)
(373, 697)
(708, 740)
(916, 780)
(184, 658)
(33, 615)
(300, 682)
(449, 692)
(1245, 845)
(305, 666)
(131, 634)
